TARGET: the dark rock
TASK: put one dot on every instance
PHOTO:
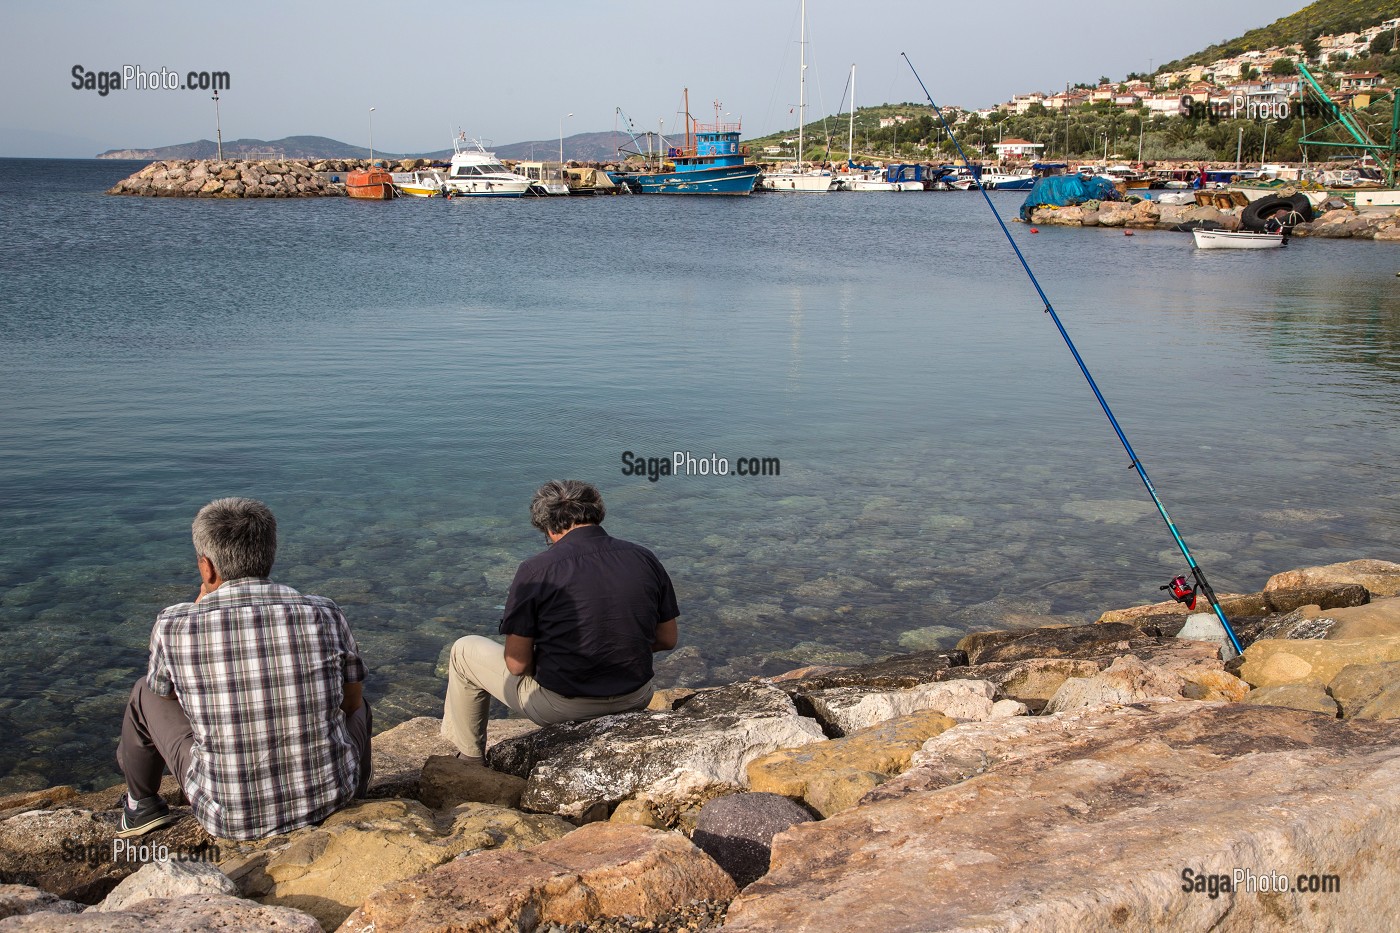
(737, 831)
(675, 759)
(897, 673)
(448, 780)
(1071, 641)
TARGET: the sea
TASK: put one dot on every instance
(395, 379)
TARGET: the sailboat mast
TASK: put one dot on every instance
(801, 83)
(851, 131)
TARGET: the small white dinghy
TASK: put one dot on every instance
(1236, 239)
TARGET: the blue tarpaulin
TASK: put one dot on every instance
(1065, 190)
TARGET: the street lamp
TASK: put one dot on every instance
(218, 126)
(561, 137)
(371, 137)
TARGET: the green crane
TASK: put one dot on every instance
(1385, 153)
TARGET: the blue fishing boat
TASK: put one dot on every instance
(714, 163)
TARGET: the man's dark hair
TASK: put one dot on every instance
(239, 536)
(560, 504)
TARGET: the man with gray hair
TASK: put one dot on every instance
(581, 622)
(252, 698)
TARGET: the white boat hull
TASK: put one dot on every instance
(1377, 200)
(1228, 239)
(855, 183)
(800, 182)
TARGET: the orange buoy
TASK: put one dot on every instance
(1035, 229)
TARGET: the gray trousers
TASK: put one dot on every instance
(156, 735)
(477, 672)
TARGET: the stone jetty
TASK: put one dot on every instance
(200, 178)
(1110, 776)
(1338, 223)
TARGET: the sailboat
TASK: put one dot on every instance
(799, 180)
(860, 177)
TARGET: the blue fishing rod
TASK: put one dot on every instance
(1178, 587)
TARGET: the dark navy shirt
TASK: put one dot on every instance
(592, 603)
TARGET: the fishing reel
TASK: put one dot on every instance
(1181, 592)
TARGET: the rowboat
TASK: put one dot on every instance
(1236, 239)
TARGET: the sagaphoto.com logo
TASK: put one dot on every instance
(134, 77)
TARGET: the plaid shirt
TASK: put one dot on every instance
(260, 670)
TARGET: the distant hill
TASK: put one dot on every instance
(1325, 17)
(585, 147)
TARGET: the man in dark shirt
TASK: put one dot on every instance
(582, 620)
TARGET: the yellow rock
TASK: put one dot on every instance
(1375, 619)
(1272, 661)
(832, 776)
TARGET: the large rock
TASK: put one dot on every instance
(448, 780)
(844, 710)
(895, 673)
(188, 914)
(833, 776)
(1032, 681)
(1309, 696)
(1126, 680)
(1269, 662)
(1385, 705)
(737, 831)
(673, 760)
(74, 854)
(17, 899)
(328, 870)
(1380, 577)
(1088, 822)
(601, 870)
(47, 799)
(168, 878)
(400, 752)
(1068, 641)
(1358, 684)
(1377, 619)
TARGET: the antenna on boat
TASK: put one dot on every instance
(1197, 573)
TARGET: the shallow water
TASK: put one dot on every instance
(396, 379)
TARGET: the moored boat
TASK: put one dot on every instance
(476, 173)
(799, 178)
(1237, 239)
(714, 164)
(429, 184)
(373, 184)
(545, 177)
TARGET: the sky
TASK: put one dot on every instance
(510, 73)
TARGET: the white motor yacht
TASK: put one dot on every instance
(476, 173)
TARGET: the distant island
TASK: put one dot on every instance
(581, 147)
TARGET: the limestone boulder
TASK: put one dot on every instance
(19, 899)
(401, 752)
(1358, 684)
(671, 759)
(187, 914)
(1377, 619)
(448, 780)
(737, 831)
(328, 870)
(833, 776)
(1308, 696)
(1269, 662)
(601, 870)
(1032, 681)
(1126, 680)
(1385, 705)
(1131, 798)
(1066, 641)
(47, 799)
(1380, 577)
(167, 878)
(844, 710)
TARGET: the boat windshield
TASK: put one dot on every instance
(494, 168)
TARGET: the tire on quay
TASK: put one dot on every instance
(1258, 212)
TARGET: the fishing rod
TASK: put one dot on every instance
(1178, 587)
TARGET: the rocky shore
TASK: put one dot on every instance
(1339, 223)
(1117, 775)
(200, 178)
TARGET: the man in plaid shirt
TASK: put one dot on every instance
(253, 698)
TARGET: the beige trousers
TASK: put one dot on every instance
(477, 672)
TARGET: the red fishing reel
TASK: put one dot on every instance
(1181, 592)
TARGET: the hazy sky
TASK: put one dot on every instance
(508, 72)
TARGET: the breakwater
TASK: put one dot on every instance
(1012, 762)
(1340, 223)
(202, 178)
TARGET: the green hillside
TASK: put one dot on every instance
(1325, 17)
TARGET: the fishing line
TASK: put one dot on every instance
(1178, 587)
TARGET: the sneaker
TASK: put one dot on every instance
(143, 816)
(475, 760)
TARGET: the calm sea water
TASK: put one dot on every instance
(396, 379)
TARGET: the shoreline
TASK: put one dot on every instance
(781, 799)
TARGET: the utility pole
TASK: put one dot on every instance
(371, 137)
